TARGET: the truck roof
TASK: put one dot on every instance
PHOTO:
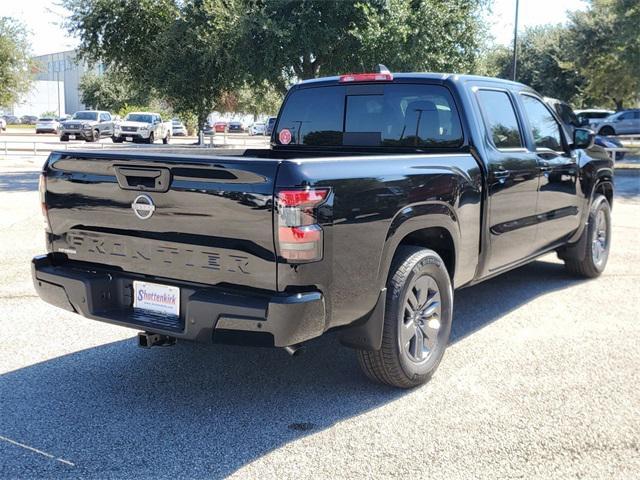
(452, 77)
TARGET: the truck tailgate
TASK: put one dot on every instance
(208, 219)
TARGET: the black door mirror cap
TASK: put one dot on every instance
(583, 138)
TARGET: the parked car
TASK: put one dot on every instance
(271, 121)
(380, 194)
(28, 119)
(144, 127)
(592, 116)
(221, 127)
(209, 129)
(88, 125)
(625, 122)
(11, 119)
(257, 128)
(235, 127)
(47, 125)
(177, 128)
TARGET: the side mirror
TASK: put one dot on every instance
(583, 138)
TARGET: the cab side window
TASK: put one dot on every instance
(544, 128)
(500, 118)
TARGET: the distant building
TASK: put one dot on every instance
(66, 68)
(44, 96)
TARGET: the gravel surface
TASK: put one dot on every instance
(540, 381)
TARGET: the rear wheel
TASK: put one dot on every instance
(166, 139)
(417, 321)
(607, 131)
(596, 238)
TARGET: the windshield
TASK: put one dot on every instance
(176, 122)
(138, 117)
(45, 120)
(390, 115)
(85, 116)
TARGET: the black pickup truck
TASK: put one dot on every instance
(379, 196)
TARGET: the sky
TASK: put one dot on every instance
(43, 19)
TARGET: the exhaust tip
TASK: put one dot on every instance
(294, 350)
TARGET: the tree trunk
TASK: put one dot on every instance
(202, 118)
(619, 104)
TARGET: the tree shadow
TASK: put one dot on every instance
(19, 181)
(195, 410)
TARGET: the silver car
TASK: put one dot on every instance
(47, 125)
(626, 122)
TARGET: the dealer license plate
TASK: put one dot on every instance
(72, 137)
(156, 298)
(129, 139)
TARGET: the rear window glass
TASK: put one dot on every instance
(392, 115)
(500, 118)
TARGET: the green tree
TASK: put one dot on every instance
(286, 40)
(544, 62)
(112, 91)
(15, 62)
(606, 42)
(183, 50)
(261, 99)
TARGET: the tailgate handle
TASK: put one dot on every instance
(147, 179)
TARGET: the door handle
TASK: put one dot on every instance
(501, 175)
(544, 166)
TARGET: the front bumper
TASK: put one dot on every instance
(205, 311)
(80, 134)
(134, 135)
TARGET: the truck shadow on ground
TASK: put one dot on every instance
(199, 411)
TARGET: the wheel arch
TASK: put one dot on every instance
(433, 225)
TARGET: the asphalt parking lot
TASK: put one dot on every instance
(541, 380)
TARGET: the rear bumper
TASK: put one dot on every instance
(106, 295)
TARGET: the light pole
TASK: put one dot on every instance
(58, 90)
(515, 44)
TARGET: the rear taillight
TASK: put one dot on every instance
(366, 77)
(299, 235)
(42, 188)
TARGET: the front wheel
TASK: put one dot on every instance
(150, 139)
(417, 320)
(165, 140)
(606, 131)
(95, 136)
(591, 261)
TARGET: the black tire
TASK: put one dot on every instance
(166, 139)
(416, 273)
(64, 138)
(607, 131)
(591, 260)
(117, 139)
(95, 136)
(151, 138)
